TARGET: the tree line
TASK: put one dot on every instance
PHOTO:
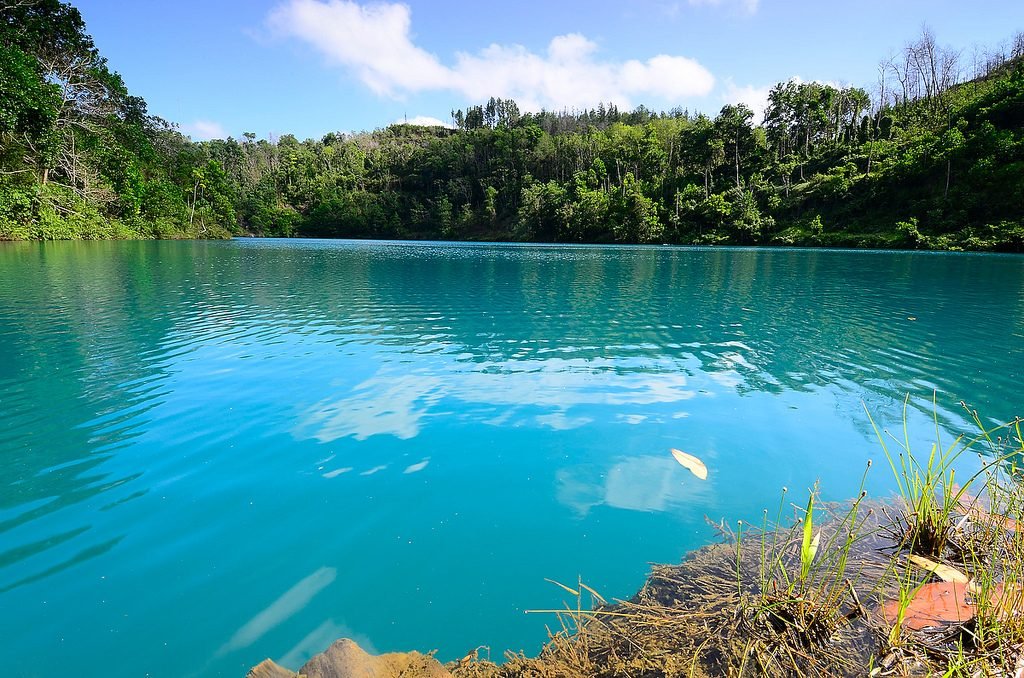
(934, 157)
(80, 157)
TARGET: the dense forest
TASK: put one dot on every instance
(933, 158)
(80, 157)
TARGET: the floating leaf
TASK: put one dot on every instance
(943, 602)
(943, 572)
(695, 465)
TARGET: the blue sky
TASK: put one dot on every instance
(308, 67)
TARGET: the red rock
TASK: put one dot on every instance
(942, 602)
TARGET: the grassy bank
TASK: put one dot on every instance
(930, 584)
(36, 212)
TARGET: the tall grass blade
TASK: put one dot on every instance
(560, 585)
(809, 546)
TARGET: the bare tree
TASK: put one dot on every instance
(925, 69)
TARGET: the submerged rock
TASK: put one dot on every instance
(345, 659)
(268, 668)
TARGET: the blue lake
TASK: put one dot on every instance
(216, 452)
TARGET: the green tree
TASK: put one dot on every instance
(733, 127)
(635, 214)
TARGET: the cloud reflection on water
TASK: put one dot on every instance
(380, 405)
(395, 403)
(417, 467)
(643, 483)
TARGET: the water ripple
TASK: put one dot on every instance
(199, 426)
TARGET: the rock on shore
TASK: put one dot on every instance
(345, 659)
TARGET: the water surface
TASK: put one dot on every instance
(215, 452)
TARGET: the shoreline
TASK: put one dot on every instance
(837, 246)
(930, 582)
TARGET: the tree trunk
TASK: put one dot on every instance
(737, 160)
(192, 212)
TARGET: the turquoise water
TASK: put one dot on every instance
(216, 452)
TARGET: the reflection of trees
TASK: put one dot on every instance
(775, 320)
(81, 326)
(767, 321)
(779, 320)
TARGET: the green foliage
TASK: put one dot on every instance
(808, 544)
(933, 168)
(79, 156)
(544, 211)
(747, 223)
(636, 218)
(590, 211)
(606, 176)
(18, 205)
(909, 232)
(28, 104)
(816, 226)
(716, 209)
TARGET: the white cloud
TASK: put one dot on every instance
(204, 130)
(424, 121)
(747, 6)
(373, 40)
(754, 97)
(374, 43)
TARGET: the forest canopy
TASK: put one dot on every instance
(932, 157)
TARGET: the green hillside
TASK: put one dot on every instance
(925, 163)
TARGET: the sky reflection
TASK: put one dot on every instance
(400, 442)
